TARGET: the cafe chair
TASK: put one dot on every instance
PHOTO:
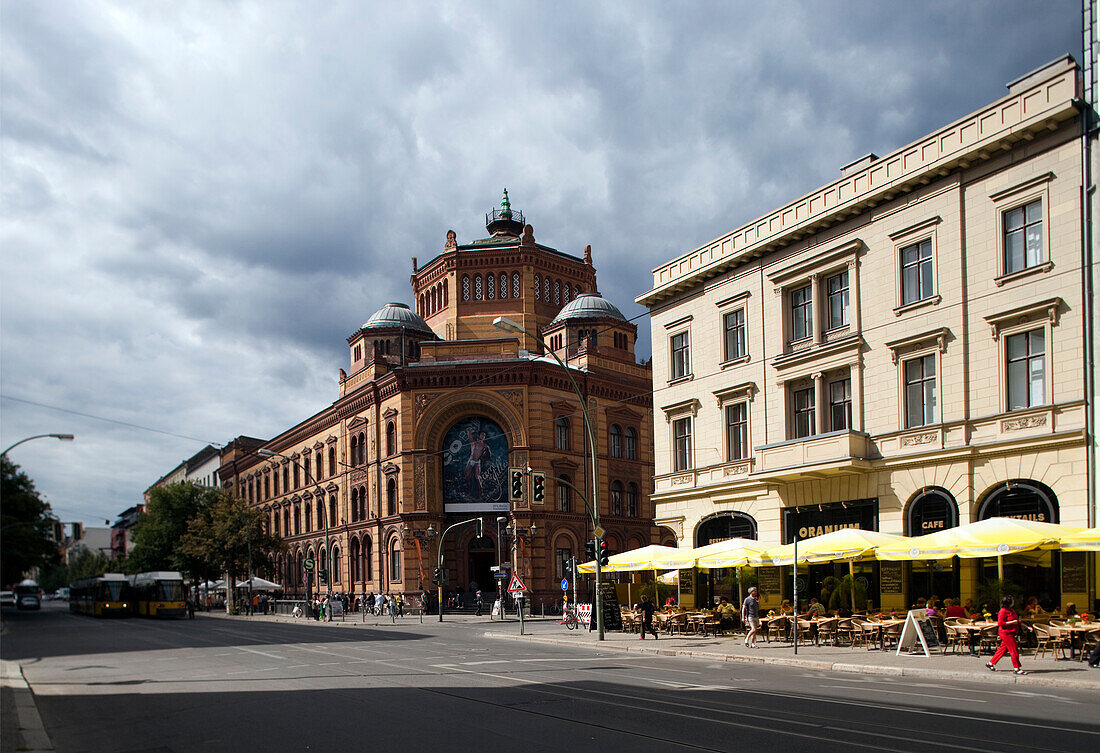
(1088, 643)
(988, 639)
(777, 628)
(958, 639)
(827, 629)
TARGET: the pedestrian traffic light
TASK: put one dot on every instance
(538, 486)
(323, 576)
(589, 551)
(604, 554)
(517, 485)
(435, 577)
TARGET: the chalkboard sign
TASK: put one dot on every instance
(1073, 572)
(918, 628)
(686, 581)
(767, 580)
(889, 577)
(612, 617)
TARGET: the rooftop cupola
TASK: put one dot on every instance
(504, 221)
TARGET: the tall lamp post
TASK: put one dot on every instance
(439, 567)
(594, 509)
(265, 453)
(62, 437)
(501, 520)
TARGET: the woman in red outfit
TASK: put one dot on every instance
(1008, 624)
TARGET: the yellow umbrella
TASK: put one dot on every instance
(635, 559)
(994, 537)
(1087, 540)
(843, 544)
(728, 553)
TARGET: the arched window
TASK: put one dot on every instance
(615, 443)
(354, 563)
(354, 505)
(286, 486)
(465, 287)
(354, 450)
(286, 521)
(565, 495)
(335, 565)
(275, 522)
(477, 287)
(445, 297)
(546, 289)
(332, 510)
(395, 559)
(503, 284)
(332, 460)
(557, 292)
(362, 448)
(362, 503)
(267, 486)
(297, 520)
(632, 500)
(616, 498)
(491, 287)
(306, 466)
(320, 513)
(538, 288)
(515, 285)
(630, 446)
(391, 438)
(368, 560)
(323, 557)
(391, 496)
(561, 433)
(309, 517)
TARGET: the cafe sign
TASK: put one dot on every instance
(815, 520)
(933, 510)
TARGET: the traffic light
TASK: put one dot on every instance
(604, 554)
(538, 486)
(323, 576)
(78, 531)
(435, 577)
(58, 531)
(517, 485)
(589, 551)
(480, 527)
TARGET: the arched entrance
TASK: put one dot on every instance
(724, 582)
(931, 509)
(1031, 573)
(482, 557)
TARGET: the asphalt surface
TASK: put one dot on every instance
(144, 686)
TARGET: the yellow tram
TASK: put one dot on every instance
(158, 594)
(101, 596)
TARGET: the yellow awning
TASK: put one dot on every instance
(844, 544)
(986, 538)
(728, 553)
(635, 559)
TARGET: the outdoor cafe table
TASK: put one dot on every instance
(878, 627)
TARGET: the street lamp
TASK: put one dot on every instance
(439, 565)
(265, 453)
(594, 509)
(519, 534)
(62, 437)
(501, 519)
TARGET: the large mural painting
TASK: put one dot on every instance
(475, 467)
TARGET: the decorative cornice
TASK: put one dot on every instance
(1031, 312)
(937, 337)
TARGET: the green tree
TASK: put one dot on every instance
(157, 534)
(227, 535)
(26, 525)
(83, 563)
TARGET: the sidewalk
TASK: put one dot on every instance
(1044, 672)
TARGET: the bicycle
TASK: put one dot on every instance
(569, 619)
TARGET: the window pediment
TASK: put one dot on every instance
(1032, 312)
(563, 465)
(683, 408)
(793, 272)
(936, 337)
(389, 413)
(744, 391)
(390, 469)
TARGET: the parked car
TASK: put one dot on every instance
(28, 595)
(7, 598)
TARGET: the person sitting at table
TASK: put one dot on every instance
(969, 608)
(1032, 606)
(816, 608)
(725, 612)
(920, 603)
(951, 609)
(785, 607)
(1071, 610)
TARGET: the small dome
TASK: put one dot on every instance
(396, 316)
(589, 306)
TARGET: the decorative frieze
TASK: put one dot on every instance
(919, 439)
(685, 478)
(1025, 422)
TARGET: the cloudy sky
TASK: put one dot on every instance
(201, 200)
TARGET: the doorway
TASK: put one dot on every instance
(482, 557)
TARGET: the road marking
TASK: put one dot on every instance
(920, 695)
(261, 653)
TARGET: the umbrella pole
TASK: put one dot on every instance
(852, 574)
(1000, 567)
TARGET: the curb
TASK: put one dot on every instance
(824, 666)
(30, 727)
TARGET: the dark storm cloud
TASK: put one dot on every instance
(204, 199)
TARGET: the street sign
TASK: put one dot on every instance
(516, 585)
(307, 564)
(564, 584)
(599, 531)
(500, 576)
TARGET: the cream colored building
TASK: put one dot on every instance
(900, 350)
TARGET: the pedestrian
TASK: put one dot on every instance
(477, 603)
(380, 604)
(1094, 657)
(648, 609)
(327, 604)
(370, 602)
(750, 616)
(1008, 624)
(190, 608)
(399, 600)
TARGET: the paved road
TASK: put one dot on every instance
(229, 685)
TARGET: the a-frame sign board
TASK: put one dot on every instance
(918, 628)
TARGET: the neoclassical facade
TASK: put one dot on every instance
(901, 350)
(438, 406)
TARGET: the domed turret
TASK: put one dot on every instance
(397, 316)
(588, 306)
